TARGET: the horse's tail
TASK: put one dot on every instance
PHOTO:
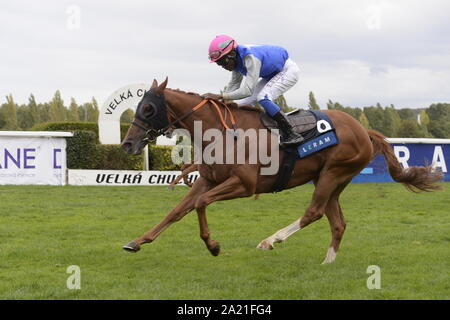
(415, 179)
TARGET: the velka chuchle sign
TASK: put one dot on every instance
(117, 103)
(32, 160)
(126, 178)
(127, 97)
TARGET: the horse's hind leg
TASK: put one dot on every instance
(325, 186)
(337, 226)
(337, 222)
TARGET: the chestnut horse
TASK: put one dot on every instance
(185, 170)
(330, 169)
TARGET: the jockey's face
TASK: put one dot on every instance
(228, 62)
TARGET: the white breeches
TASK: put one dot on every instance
(273, 88)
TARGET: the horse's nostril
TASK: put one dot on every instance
(126, 146)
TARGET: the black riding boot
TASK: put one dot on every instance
(288, 136)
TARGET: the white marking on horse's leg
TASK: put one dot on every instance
(279, 236)
(331, 256)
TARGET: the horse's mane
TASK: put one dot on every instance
(231, 104)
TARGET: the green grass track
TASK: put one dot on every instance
(44, 230)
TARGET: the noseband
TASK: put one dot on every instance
(150, 134)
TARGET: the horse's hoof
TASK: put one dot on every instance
(216, 250)
(265, 245)
(132, 247)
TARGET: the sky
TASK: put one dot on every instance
(355, 52)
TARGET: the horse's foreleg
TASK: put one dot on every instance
(172, 185)
(185, 170)
(212, 245)
(230, 189)
(190, 169)
(183, 208)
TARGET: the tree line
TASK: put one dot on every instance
(431, 122)
(23, 117)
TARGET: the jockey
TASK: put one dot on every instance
(268, 74)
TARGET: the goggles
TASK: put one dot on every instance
(213, 55)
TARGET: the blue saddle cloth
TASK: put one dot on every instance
(320, 137)
(319, 133)
(314, 125)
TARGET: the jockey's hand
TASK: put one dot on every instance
(212, 96)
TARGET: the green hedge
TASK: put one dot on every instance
(160, 158)
(85, 152)
(81, 150)
(113, 157)
(66, 126)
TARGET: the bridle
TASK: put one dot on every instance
(151, 134)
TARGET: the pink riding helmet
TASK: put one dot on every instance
(220, 46)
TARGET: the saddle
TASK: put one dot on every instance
(304, 122)
(317, 129)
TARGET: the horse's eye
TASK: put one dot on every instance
(148, 110)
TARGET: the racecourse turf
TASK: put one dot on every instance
(44, 230)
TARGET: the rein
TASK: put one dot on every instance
(155, 133)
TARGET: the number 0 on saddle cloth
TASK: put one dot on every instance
(315, 126)
(326, 136)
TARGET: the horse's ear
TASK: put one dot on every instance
(154, 84)
(162, 86)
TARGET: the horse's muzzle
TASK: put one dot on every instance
(133, 148)
(127, 146)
